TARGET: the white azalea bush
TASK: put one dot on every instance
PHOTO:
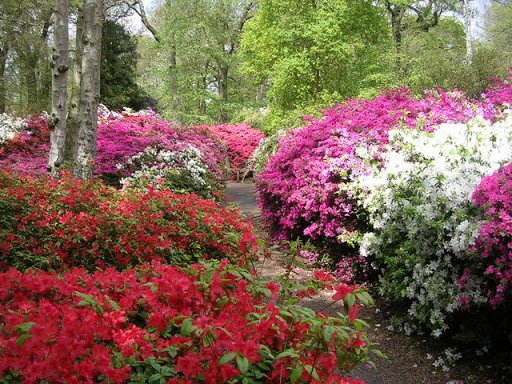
(181, 170)
(424, 221)
(9, 126)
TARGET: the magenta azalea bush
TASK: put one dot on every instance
(303, 190)
(122, 137)
(241, 141)
(498, 98)
(27, 151)
(494, 242)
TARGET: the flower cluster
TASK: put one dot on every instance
(494, 242)
(53, 224)
(498, 98)
(9, 126)
(239, 139)
(423, 218)
(211, 324)
(304, 190)
(121, 138)
(27, 151)
(181, 171)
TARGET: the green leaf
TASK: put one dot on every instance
(288, 352)
(22, 338)
(187, 328)
(24, 328)
(113, 304)
(312, 371)
(154, 378)
(227, 358)
(243, 364)
(350, 300)
(296, 373)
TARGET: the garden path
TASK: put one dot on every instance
(407, 361)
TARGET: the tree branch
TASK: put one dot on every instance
(143, 16)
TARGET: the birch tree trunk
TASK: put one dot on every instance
(57, 121)
(93, 11)
(467, 30)
(74, 97)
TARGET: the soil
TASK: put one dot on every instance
(409, 359)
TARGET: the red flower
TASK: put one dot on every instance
(342, 290)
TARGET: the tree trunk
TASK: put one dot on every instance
(89, 89)
(31, 81)
(223, 93)
(467, 31)
(57, 121)
(3, 62)
(74, 97)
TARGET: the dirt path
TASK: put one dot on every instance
(410, 360)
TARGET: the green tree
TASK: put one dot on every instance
(316, 52)
(25, 75)
(498, 29)
(194, 68)
(119, 57)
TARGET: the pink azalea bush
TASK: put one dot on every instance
(27, 151)
(304, 190)
(241, 141)
(494, 242)
(498, 98)
(122, 136)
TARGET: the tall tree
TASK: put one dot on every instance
(119, 57)
(316, 52)
(24, 54)
(198, 57)
(94, 13)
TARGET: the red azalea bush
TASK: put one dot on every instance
(305, 188)
(241, 141)
(52, 224)
(164, 324)
(494, 242)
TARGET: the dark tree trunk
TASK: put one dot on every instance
(3, 63)
(223, 93)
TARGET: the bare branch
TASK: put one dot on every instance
(143, 16)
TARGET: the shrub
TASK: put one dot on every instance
(305, 188)
(181, 171)
(494, 242)
(240, 140)
(27, 151)
(267, 147)
(9, 126)
(121, 138)
(498, 98)
(53, 224)
(423, 218)
(211, 324)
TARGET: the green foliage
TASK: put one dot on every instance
(193, 71)
(313, 53)
(118, 69)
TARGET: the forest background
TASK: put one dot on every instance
(266, 63)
